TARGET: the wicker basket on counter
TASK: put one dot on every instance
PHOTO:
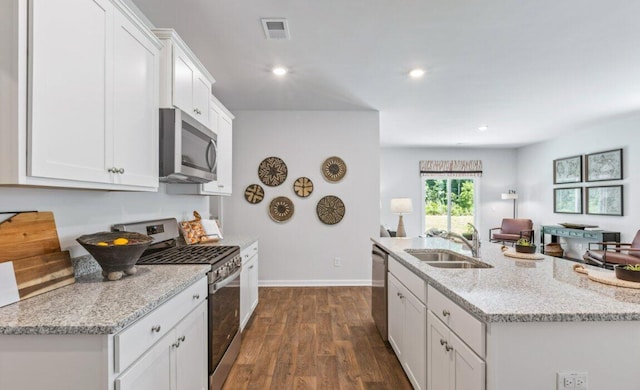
(553, 249)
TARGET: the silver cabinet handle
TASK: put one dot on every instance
(220, 185)
(448, 348)
(251, 267)
(121, 171)
(196, 296)
(446, 313)
(181, 339)
(176, 344)
(112, 170)
(443, 342)
(156, 328)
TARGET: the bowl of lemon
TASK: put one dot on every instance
(116, 252)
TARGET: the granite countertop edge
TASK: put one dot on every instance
(497, 317)
(101, 326)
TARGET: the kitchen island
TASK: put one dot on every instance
(538, 317)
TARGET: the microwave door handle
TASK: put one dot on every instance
(212, 166)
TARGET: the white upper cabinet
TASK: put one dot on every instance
(184, 81)
(83, 88)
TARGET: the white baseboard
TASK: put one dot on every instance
(314, 283)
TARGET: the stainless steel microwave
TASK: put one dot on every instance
(188, 149)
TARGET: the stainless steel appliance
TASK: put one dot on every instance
(224, 287)
(188, 149)
(380, 265)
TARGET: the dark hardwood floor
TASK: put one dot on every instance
(314, 338)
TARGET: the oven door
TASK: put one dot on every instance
(224, 316)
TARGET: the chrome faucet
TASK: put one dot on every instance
(474, 245)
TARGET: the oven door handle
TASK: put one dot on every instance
(225, 281)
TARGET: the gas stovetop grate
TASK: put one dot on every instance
(190, 254)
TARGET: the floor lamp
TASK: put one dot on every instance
(401, 206)
(511, 195)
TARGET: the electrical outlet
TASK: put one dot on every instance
(337, 262)
(572, 381)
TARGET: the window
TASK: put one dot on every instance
(449, 203)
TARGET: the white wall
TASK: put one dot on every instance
(400, 178)
(79, 212)
(301, 251)
(535, 175)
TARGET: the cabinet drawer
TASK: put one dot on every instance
(141, 335)
(591, 235)
(470, 329)
(249, 252)
(417, 286)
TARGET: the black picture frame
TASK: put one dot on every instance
(567, 200)
(605, 200)
(567, 170)
(604, 166)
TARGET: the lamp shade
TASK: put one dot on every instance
(401, 205)
(510, 195)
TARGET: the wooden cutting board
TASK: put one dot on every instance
(30, 241)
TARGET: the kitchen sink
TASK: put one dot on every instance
(446, 259)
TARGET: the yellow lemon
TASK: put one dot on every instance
(120, 241)
(101, 243)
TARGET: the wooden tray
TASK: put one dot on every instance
(605, 277)
(30, 241)
(526, 256)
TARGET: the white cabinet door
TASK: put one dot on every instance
(468, 369)
(191, 359)
(438, 358)
(69, 80)
(248, 287)
(415, 347)
(201, 93)
(135, 111)
(396, 315)
(225, 152)
(155, 370)
(183, 76)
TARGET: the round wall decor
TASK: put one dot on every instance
(334, 169)
(272, 171)
(330, 210)
(303, 187)
(281, 209)
(254, 193)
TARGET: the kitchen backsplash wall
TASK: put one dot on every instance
(79, 212)
(302, 250)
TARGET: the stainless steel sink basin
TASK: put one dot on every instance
(446, 259)
(460, 264)
(437, 256)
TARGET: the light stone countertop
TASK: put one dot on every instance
(242, 241)
(94, 306)
(518, 290)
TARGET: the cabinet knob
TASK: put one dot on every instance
(121, 171)
(220, 185)
(251, 267)
(176, 344)
(196, 296)
(182, 339)
(443, 342)
(112, 170)
(156, 328)
(448, 347)
(446, 313)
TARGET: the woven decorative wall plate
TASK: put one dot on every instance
(272, 171)
(334, 169)
(281, 209)
(303, 187)
(254, 193)
(330, 210)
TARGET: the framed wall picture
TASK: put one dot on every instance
(567, 170)
(604, 165)
(604, 200)
(567, 200)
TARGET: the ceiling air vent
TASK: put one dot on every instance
(276, 28)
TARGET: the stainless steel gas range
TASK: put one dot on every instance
(224, 287)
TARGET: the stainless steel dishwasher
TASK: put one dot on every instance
(379, 264)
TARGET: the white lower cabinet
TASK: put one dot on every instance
(177, 361)
(452, 365)
(248, 284)
(408, 330)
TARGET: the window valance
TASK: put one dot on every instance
(441, 168)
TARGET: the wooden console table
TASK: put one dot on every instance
(556, 231)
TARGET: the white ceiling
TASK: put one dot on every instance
(528, 69)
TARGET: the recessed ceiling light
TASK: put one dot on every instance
(280, 71)
(483, 128)
(416, 73)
